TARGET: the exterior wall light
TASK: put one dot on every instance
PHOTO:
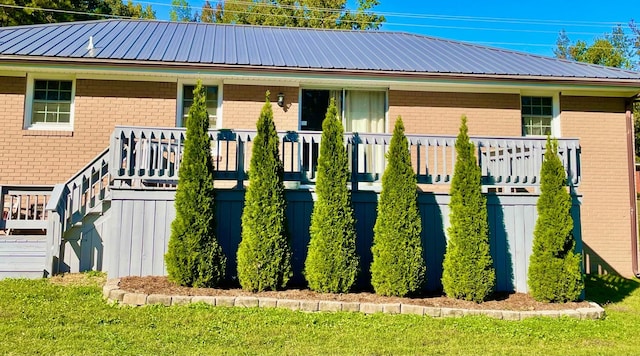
(281, 99)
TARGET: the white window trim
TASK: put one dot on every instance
(343, 94)
(555, 120)
(179, 101)
(28, 106)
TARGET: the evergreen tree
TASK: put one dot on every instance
(468, 271)
(398, 266)
(194, 257)
(264, 255)
(332, 263)
(554, 268)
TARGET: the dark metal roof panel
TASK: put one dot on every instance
(140, 40)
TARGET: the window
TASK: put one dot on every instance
(212, 104)
(49, 104)
(362, 110)
(537, 115)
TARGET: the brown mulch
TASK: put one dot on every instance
(512, 301)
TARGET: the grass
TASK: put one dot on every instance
(72, 318)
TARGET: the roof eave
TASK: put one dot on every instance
(21, 60)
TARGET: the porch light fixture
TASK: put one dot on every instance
(280, 99)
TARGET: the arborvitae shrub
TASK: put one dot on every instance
(264, 255)
(554, 267)
(332, 263)
(398, 266)
(468, 271)
(194, 257)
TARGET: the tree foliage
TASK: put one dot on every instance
(332, 263)
(398, 266)
(28, 12)
(296, 13)
(468, 271)
(554, 267)
(264, 255)
(194, 257)
(181, 11)
(615, 49)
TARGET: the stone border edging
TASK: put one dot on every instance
(112, 292)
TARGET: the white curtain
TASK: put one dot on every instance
(365, 113)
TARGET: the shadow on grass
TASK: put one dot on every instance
(609, 288)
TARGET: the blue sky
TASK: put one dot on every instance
(517, 25)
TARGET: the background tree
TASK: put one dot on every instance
(292, 13)
(264, 255)
(181, 11)
(468, 271)
(332, 263)
(194, 257)
(398, 266)
(614, 49)
(28, 12)
(554, 268)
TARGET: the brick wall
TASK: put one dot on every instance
(242, 105)
(45, 157)
(600, 125)
(439, 113)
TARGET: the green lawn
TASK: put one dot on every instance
(38, 317)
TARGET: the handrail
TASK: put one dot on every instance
(140, 155)
(71, 201)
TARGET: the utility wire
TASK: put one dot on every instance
(417, 15)
(391, 24)
(65, 11)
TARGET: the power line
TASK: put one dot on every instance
(419, 15)
(395, 14)
(65, 11)
(334, 10)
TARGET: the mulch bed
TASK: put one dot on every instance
(500, 301)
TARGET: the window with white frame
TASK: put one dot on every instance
(361, 110)
(49, 104)
(537, 115)
(211, 102)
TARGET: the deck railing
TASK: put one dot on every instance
(71, 201)
(142, 156)
(23, 207)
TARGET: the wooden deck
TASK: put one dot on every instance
(87, 228)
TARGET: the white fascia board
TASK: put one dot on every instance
(316, 80)
(13, 73)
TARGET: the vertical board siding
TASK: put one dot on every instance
(22, 256)
(83, 246)
(141, 224)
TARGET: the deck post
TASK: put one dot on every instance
(240, 164)
(354, 161)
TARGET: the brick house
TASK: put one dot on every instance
(68, 91)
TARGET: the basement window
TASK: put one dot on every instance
(49, 104)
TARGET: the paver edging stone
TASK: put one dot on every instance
(113, 293)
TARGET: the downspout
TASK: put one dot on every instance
(632, 188)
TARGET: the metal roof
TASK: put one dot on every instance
(281, 47)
